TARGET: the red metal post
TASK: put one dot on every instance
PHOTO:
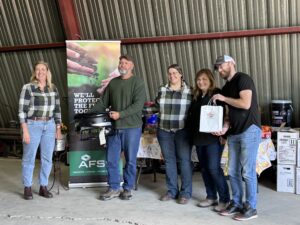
(69, 18)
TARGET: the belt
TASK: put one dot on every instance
(44, 118)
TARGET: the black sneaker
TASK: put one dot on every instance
(126, 195)
(231, 209)
(248, 213)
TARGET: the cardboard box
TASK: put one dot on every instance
(298, 180)
(286, 178)
(287, 146)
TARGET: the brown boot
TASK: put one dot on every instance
(44, 192)
(28, 193)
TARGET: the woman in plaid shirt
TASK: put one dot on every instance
(172, 103)
(40, 118)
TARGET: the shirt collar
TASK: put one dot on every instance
(36, 86)
(183, 86)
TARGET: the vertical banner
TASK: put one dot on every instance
(90, 65)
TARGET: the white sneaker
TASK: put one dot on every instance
(207, 203)
(221, 206)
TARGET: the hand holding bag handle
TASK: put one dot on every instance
(211, 118)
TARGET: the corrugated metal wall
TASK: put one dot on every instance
(272, 61)
(22, 23)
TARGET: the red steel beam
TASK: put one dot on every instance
(32, 47)
(175, 38)
(210, 36)
(69, 18)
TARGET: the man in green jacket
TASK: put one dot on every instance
(125, 96)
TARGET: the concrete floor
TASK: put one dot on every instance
(81, 206)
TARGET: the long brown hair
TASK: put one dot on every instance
(49, 75)
(197, 92)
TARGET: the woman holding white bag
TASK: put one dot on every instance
(208, 147)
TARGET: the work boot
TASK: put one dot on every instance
(110, 194)
(126, 195)
(44, 192)
(183, 200)
(166, 197)
(28, 193)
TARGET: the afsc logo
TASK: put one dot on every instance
(86, 162)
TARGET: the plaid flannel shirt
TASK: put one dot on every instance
(35, 103)
(172, 107)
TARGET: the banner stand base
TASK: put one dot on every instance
(84, 185)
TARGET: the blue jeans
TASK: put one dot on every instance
(176, 148)
(41, 133)
(242, 163)
(126, 140)
(210, 162)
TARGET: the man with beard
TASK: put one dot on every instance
(124, 96)
(244, 135)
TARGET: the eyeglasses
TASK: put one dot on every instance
(174, 73)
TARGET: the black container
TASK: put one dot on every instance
(282, 112)
(89, 124)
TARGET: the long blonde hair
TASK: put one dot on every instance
(197, 92)
(49, 75)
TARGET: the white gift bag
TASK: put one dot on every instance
(211, 118)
